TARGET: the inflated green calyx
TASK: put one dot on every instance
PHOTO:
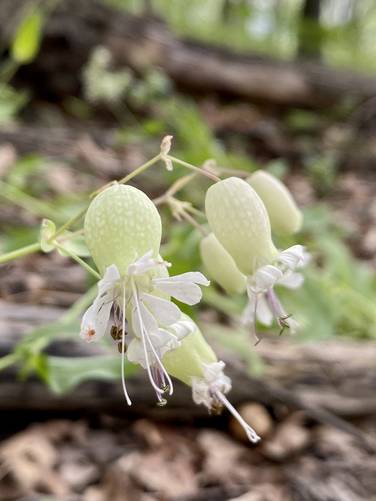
(121, 225)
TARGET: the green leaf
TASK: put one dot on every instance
(65, 373)
(27, 39)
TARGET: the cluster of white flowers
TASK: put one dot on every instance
(134, 305)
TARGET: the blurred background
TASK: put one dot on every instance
(87, 90)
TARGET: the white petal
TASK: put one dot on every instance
(214, 371)
(191, 276)
(147, 319)
(307, 258)
(182, 328)
(248, 315)
(186, 292)
(87, 331)
(201, 392)
(165, 341)
(135, 352)
(146, 263)
(162, 342)
(265, 278)
(165, 312)
(292, 280)
(95, 321)
(109, 280)
(264, 315)
(214, 380)
(292, 257)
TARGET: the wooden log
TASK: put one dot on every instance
(75, 28)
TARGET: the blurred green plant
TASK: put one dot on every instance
(344, 33)
(27, 38)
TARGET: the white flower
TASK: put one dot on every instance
(210, 391)
(96, 318)
(146, 325)
(263, 304)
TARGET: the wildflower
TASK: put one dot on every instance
(239, 220)
(264, 305)
(285, 217)
(196, 364)
(123, 233)
(221, 266)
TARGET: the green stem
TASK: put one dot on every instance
(195, 212)
(78, 260)
(203, 172)
(24, 251)
(131, 175)
(192, 221)
(66, 225)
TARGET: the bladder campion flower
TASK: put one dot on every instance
(285, 217)
(123, 234)
(239, 220)
(196, 364)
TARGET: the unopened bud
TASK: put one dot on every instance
(285, 217)
(220, 265)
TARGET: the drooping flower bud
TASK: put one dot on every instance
(186, 362)
(121, 225)
(285, 217)
(220, 265)
(195, 363)
(239, 220)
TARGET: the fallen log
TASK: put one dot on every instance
(75, 28)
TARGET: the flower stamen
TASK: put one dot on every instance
(250, 432)
(129, 402)
(145, 338)
(279, 313)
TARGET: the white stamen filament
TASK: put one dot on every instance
(278, 310)
(251, 434)
(254, 331)
(129, 402)
(145, 337)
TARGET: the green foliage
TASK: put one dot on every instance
(11, 101)
(345, 35)
(322, 171)
(339, 292)
(63, 374)
(27, 39)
